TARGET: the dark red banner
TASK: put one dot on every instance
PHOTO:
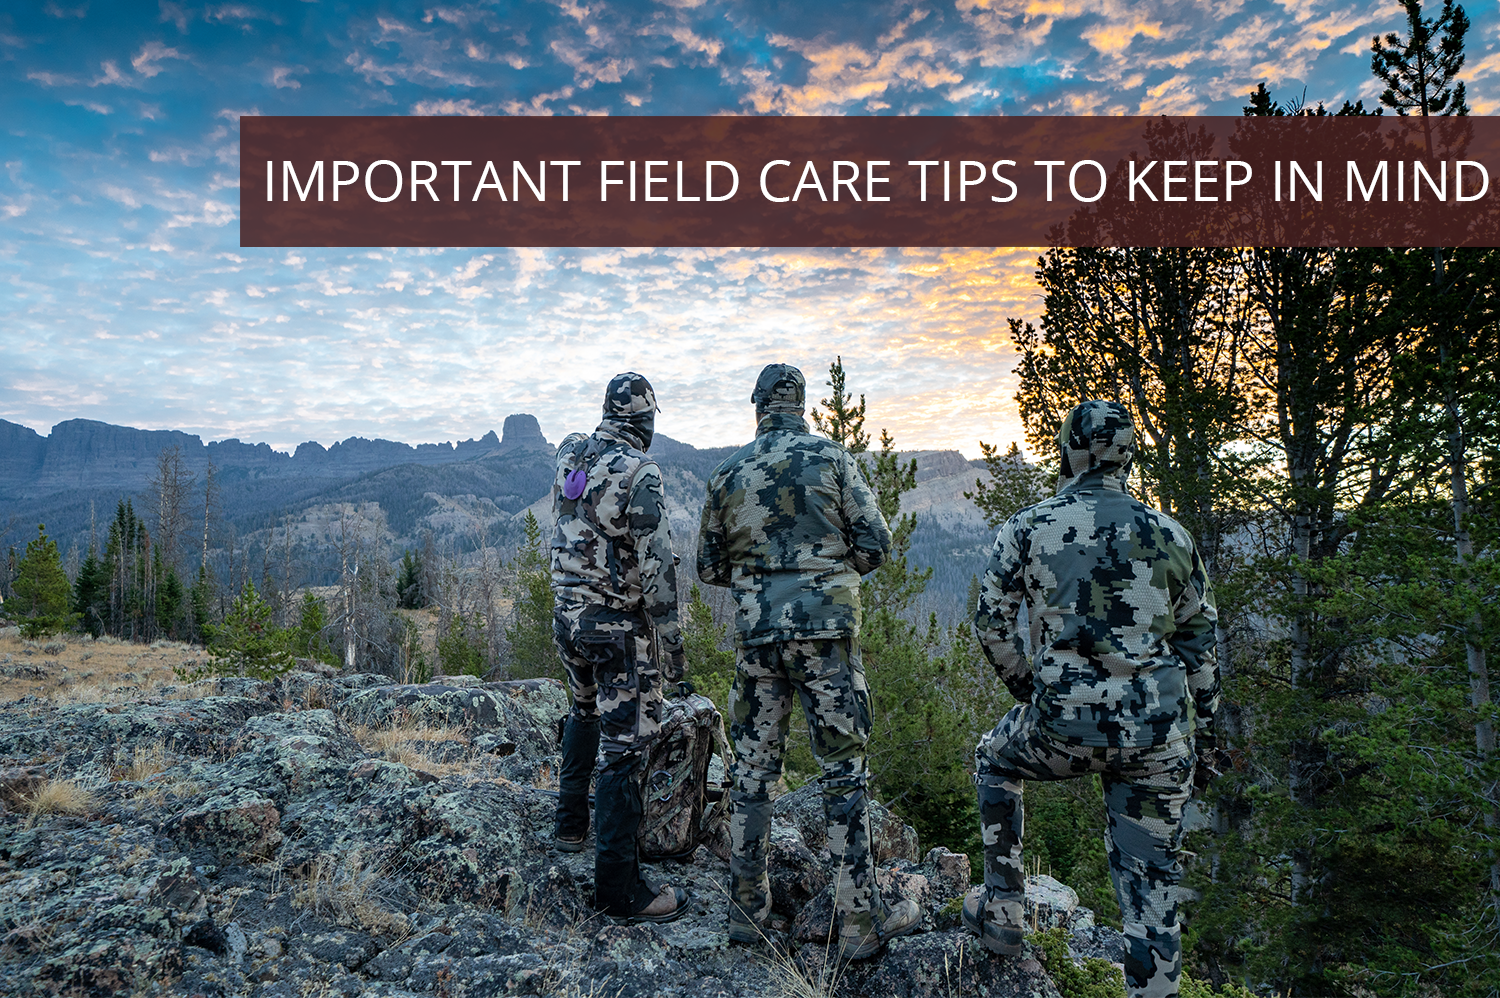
(742, 181)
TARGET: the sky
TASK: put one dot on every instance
(126, 297)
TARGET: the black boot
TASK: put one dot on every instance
(619, 888)
(580, 744)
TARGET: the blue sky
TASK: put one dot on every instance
(125, 297)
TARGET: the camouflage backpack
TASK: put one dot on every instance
(680, 808)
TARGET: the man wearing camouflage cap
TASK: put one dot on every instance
(1115, 674)
(791, 525)
(616, 617)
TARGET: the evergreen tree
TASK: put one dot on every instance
(840, 419)
(200, 605)
(248, 643)
(309, 638)
(42, 593)
(710, 665)
(409, 582)
(461, 649)
(532, 652)
(91, 594)
(1014, 484)
(1421, 73)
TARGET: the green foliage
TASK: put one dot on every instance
(532, 652)
(44, 599)
(1014, 484)
(1094, 979)
(462, 649)
(308, 638)
(200, 604)
(1421, 73)
(841, 420)
(248, 643)
(91, 594)
(409, 582)
(1065, 824)
(710, 665)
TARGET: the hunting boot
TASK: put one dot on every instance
(580, 743)
(619, 889)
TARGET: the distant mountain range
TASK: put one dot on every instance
(459, 495)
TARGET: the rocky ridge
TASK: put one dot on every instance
(345, 836)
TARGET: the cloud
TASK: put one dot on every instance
(281, 77)
(47, 79)
(94, 106)
(448, 106)
(842, 73)
(146, 60)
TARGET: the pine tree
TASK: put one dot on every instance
(308, 638)
(532, 652)
(1421, 74)
(43, 594)
(409, 581)
(1014, 484)
(710, 665)
(841, 420)
(248, 642)
(91, 594)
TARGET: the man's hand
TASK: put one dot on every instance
(676, 667)
(1020, 687)
(1212, 762)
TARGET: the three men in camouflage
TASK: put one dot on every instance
(790, 526)
(615, 618)
(1115, 672)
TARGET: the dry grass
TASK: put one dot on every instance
(401, 743)
(353, 895)
(76, 668)
(57, 796)
(145, 762)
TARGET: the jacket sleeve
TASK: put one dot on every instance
(647, 513)
(1196, 645)
(714, 566)
(996, 617)
(868, 534)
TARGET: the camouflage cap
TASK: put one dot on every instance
(1096, 435)
(629, 395)
(780, 388)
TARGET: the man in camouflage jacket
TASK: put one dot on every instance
(615, 619)
(1115, 673)
(790, 526)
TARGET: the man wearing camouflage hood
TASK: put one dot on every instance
(616, 617)
(791, 525)
(1115, 674)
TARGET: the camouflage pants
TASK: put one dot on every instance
(1144, 793)
(829, 679)
(612, 674)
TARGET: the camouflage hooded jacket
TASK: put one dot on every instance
(791, 525)
(612, 545)
(1120, 617)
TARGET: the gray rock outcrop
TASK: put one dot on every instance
(344, 835)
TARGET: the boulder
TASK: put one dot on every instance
(233, 826)
(891, 838)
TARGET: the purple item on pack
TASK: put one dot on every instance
(575, 483)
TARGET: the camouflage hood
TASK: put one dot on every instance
(630, 410)
(1096, 443)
